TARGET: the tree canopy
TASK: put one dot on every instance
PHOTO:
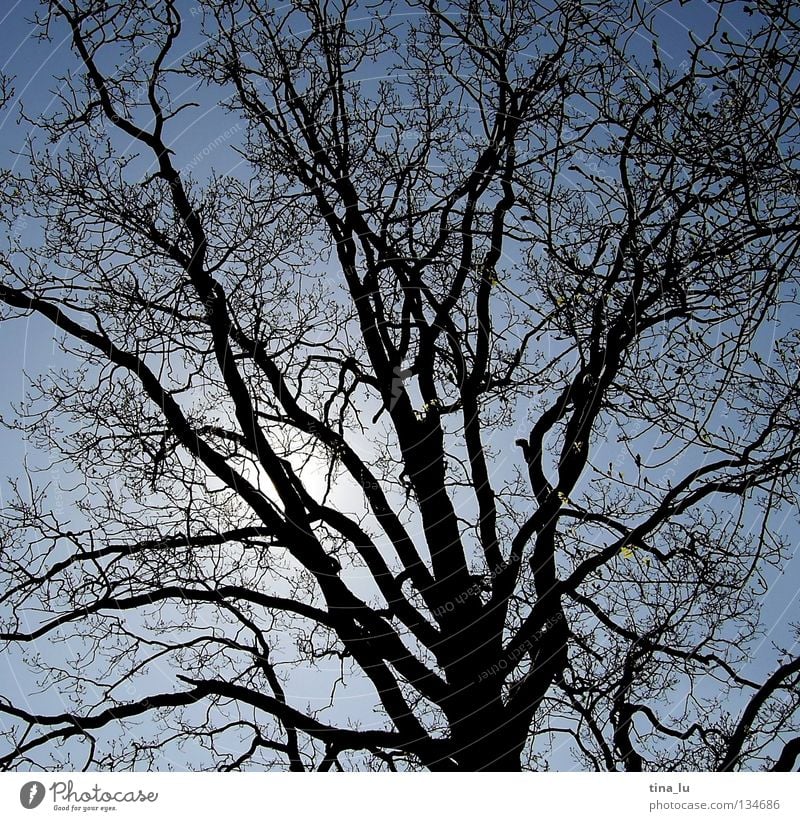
(427, 393)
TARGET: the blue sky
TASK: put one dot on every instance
(203, 140)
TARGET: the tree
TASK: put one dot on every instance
(451, 428)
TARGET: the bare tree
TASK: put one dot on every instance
(454, 427)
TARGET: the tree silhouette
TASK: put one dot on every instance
(453, 426)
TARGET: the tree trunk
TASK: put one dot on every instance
(486, 736)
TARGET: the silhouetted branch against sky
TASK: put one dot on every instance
(424, 390)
